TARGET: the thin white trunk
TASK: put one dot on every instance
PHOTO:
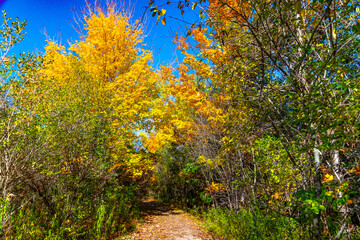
(335, 164)
(317, 162)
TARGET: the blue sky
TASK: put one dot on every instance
(55, 18)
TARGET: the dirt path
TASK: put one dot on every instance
(162, 222)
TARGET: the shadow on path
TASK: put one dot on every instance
(151, 207)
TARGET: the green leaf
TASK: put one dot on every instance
(194, 5)
(356, 28)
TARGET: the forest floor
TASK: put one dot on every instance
(165, 222)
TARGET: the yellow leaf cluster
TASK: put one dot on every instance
(215, 187)
(228, 10)
(327, 178)
(109, 46)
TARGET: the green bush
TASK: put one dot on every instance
(86, 217)
(257, 224)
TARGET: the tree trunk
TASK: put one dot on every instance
(317, 162)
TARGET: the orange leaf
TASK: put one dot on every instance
(357, 170)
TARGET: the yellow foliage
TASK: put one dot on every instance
(160, 139)
(215, 187)
(199, 36)
(212, 163)
(112, 70)
(109, 46)
(327, 178)
(228, 10)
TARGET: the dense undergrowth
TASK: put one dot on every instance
(81, 217)
(252, 224)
